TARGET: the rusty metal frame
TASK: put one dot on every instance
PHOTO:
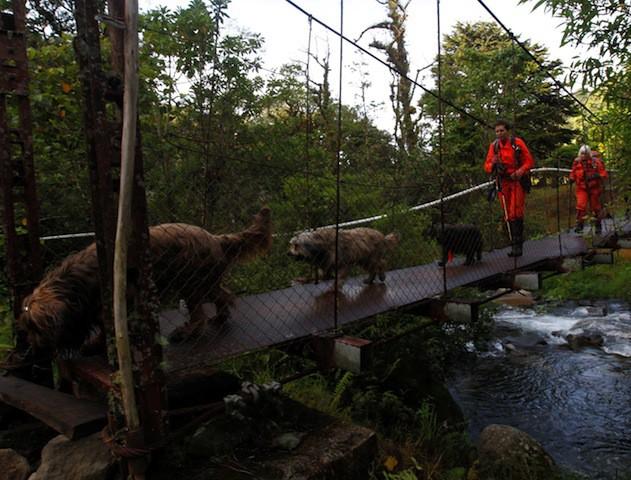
(19, 193)
(102, 159)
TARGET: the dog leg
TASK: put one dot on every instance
(194, 327)
(371, 278)
(223, 301)
(198, 322)
(381, 270)
(444, 258)
(341, 278)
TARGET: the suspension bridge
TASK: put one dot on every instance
(274, 317)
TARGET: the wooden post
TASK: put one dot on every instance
(123, 227)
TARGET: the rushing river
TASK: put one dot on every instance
(576, 403)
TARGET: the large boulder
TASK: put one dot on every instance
(13, 466)
(586, 338)
(506, 453)
(84, 459)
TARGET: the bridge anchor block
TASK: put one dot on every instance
(599, 256)
(527, 281)
(461, 311)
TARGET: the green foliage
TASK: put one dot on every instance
(322, 393)
(408, 474)
(341, 388)
(265, 366)
(602, 25)
(6, 312)
(605, 28)
(384, 411)
(6, 331)
(595, 282)
(58, 139)
(487, 75)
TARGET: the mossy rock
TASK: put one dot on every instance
(506, 453)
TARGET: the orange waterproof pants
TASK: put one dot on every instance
(514, 197)
(583, 197)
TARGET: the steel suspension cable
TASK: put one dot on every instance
(514, 126)
(440, 141)
(387, 65)
(538, 62)
(308, 129)
(558, 188)
(337, 167)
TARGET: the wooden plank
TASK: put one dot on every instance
(291, 314)
(69, 416)
(94, 370)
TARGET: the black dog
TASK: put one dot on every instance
(460, 238)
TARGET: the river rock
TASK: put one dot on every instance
(527, 340)
(508, 453)
(84, 459)
(608, 240)
(596, 311)
(587, 338)
(519, 298)
(13, 466)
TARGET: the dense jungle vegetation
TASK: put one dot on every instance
(238, 137)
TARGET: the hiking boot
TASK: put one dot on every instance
(517, 232)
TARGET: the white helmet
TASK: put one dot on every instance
(585, 150)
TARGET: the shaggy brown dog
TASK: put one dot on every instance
(64, 311)
(364, 247)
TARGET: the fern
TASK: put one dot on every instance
(402, 475)
(340, 389)
(427, 423)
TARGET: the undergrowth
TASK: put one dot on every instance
(595, 282)
(401, 397)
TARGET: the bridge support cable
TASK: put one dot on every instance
(308, 131)
(441, 126)
(387, 65)
(540, 64)
(558, 193)
(338, 168)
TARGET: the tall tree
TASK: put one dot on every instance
(485, 74)
(401, 95)
(604, 26)
(220, 71)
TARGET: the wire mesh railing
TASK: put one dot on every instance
(259, 211)
(223, 294)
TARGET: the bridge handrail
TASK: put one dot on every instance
(423, 206)
(362, 221)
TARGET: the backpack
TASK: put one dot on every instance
(525, 181)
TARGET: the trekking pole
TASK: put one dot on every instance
(589, 195)
(500, 193)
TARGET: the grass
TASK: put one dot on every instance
(595, 282)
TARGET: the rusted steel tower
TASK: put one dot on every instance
(20, 208)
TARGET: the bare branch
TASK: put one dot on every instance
(381, 26)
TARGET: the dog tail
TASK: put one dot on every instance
(392, 240)
(253, 241)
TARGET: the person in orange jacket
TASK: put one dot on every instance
(588, 172)
(509, 161)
